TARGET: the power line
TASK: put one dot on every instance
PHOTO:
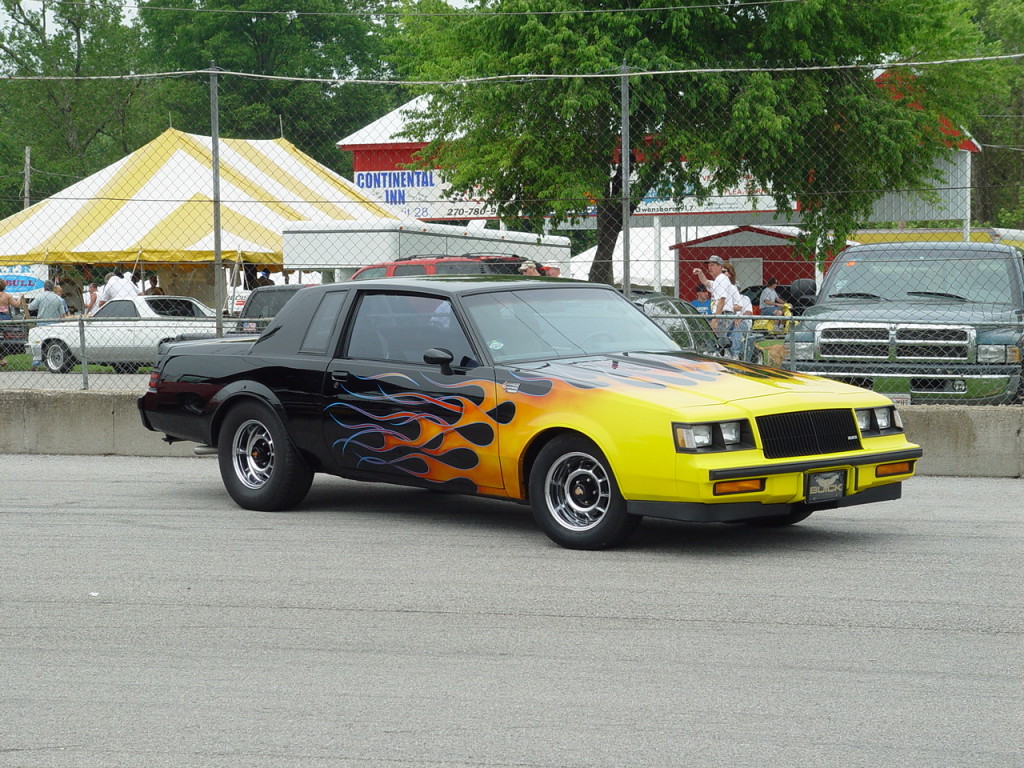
(525, 77)
(1003, 146)
(442, 14)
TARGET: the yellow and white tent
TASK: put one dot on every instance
(156, 206)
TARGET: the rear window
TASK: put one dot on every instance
(266, 304)
(174, 307)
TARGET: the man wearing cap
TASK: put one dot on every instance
(719, 286)
(529, 269)
(264, 279)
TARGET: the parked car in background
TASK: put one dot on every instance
(13, 336)
(554, 393)
(920, 322)
(461, 264)
(682, 321)
(262, 305)
(123, 333)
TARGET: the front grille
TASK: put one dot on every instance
(808, 433)
(877, 333)
(861, 351)
(895, 343)
(930, 352)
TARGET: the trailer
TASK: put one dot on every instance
(347, 246)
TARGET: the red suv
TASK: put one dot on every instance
(461, 264)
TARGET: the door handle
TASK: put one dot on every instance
(339, 376)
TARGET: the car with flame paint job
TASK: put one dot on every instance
(559, 394)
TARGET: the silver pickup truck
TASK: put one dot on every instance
(919, 322)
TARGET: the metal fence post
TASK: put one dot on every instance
(83, 356)
(218, 273)
(625, 165)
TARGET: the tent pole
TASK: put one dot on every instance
(218, 272)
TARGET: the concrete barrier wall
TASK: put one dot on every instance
(967, 442)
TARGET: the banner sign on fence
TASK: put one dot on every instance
(24, 278)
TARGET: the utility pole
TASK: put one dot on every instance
(27, 188)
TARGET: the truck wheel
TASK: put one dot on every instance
(259, 465)
(575, 498)
(58, 357)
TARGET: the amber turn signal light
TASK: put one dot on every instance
(739, 486)
(897, 468)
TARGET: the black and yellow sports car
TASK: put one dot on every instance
(560, 394)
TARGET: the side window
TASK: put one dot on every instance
(410, 269)
(117, 309)
(459, 268)
(401, 327)
(320, 331)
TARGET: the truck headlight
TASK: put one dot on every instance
(803, 350)
(713, 436)
(998, 353)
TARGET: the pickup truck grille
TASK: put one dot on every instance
(808, 433)
(895, 342)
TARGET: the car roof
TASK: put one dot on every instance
(463, 284)
(286, 287)
(963, 249)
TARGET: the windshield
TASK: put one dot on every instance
(563, 322)
(921, 275)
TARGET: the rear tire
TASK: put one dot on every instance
(58, 357)
(259, 465)
(575, 498)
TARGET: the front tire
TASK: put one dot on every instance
(575, 498)
(259, 465)
(58, 358)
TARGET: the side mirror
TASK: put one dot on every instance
(439, 356)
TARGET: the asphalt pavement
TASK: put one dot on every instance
(148, 621)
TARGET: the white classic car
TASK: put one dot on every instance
(123, 333)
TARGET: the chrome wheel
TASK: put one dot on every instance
(578, 491)
(252, 453)
(58, 357)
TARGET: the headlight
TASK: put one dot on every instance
(879, 421)
(803, 350)
(713, 436)
(998, 353)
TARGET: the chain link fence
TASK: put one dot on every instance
(214, 184)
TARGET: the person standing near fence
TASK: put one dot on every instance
(719, 286)
(47, 305)
(154, 289)
(92, 300)
(739, 331)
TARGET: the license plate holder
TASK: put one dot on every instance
(825, 486)
(899, 399)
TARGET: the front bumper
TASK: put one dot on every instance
(786, 486)
(734, 512)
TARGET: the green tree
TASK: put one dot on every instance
(999, 168)
(74, 127)
(827, 140)
(312, 39)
